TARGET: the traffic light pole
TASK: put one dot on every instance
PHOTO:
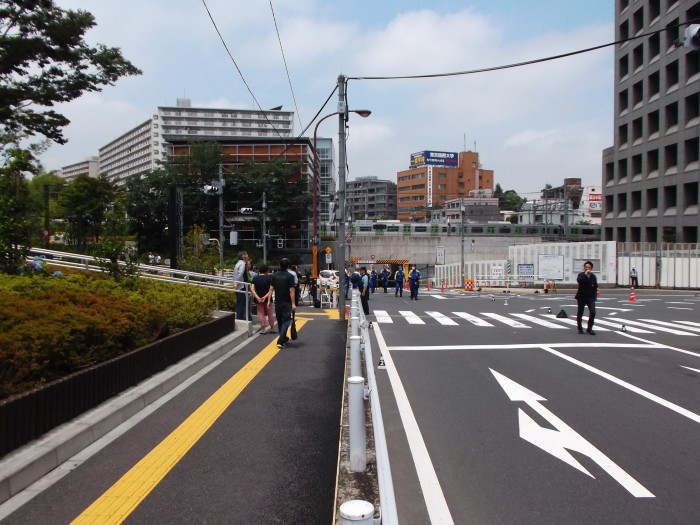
(221, 220)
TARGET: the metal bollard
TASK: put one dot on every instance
(356, 417)
(356, 512)
(355, 359)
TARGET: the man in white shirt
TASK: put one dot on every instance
(240, 275)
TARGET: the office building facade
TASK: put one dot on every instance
(651, 173)
(436, 177)
(370, 198)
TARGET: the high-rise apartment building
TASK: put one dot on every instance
(141, 148)
(89, 167)
(651, 173)
(436, 177)
(370, 198)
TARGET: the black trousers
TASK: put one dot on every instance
(364, 299)
(582, 303)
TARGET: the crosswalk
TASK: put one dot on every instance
(529, 320)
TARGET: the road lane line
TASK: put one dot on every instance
(658, 328)
(652, 397)
(671, 325)
(434, 498)
(442, 319)
(122, 498)
(411, 317)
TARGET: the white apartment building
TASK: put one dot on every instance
(89, 167)
(141, 148)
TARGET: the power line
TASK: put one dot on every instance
(239, 70)
(284, 59)
(520, 64)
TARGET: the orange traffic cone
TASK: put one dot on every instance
(633, 299)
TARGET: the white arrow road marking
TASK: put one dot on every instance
(693, 369)
(411, 317)
(657, 328)
(556, 442)
(434, 498)
(382, 316)
(476, 321)
(506, 320)
(442, 319)
(538, 321)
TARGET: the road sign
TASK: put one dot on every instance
(328, 249)
(440, 255)
(329, 257)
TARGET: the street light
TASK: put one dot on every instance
(364, 113)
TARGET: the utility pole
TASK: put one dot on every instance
(264, 227)
(342, 161)
(221, 219)
(461, 234)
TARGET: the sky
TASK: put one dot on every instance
(531, 125)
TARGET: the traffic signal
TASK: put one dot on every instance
(247, 211)
(280, 243)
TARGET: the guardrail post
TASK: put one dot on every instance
(356, 512)
(356, 417)
(355, 360)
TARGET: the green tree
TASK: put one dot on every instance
(84, 204)
(147, 197)
(510, 200)
(198, 255)
(113, 251)
(16, 218)
(44, 60)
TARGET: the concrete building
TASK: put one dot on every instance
(479, 206)
(89, 167)
(651, 173)
(370, 198)
(326, 178)
(436, 177)
(580, 204)
(141, 148)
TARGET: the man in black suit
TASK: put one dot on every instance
(586, 296)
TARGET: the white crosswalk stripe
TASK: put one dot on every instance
(442, 319)
(657, 328)
(641, 326)
(540, 322)
(476, 321)
(506, 320)
(382, 316)
(411, 317)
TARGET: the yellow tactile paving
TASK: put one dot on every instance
(120, 500)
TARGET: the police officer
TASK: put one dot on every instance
(414, 282)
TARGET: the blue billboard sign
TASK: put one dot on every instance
(434, 158)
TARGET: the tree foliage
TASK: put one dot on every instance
(509, 199)
(44, 60)
(84, 204)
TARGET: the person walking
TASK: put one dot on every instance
(283, 285)
(262, 293)
(399, 278)
(634, 278)
(586, 296)
(364, 290)
(372, 279)
(240, 275)
(384, 278)
(414, 282)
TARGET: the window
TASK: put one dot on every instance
(622, 134)
(671, 156)
(671, 114)
(621, 202)
(638, 93)
(624, 30)
(654, 9)
(671, 34)
(652, 163)
(637, 167)
(638, 20)
(624, 66)
(654, 85)
(621, 169)
(638, 57)
(623, 100)
(637, 129)
(609, 207)
(653, 123)
(672, 76)
(692, 109)
(690, 194)
(636, 198)
(692, 65)
(442, 175)
(654, 46)
(669, 197)
(691, 152)
(609, 173)
(652, 196)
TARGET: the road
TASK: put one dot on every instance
(514, 417)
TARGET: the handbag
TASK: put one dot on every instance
(293, 328)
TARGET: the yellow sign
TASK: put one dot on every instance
(328, 249)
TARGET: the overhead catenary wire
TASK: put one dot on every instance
(240, 73)
(284, 59)
(525, 63)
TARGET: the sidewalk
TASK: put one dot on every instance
(251, 438)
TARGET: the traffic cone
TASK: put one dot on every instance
(428, 284)
(633, 299)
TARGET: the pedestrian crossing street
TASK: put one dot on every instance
(529, 320)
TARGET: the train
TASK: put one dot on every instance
(550, 232)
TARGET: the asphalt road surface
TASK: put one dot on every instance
(498, 411)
